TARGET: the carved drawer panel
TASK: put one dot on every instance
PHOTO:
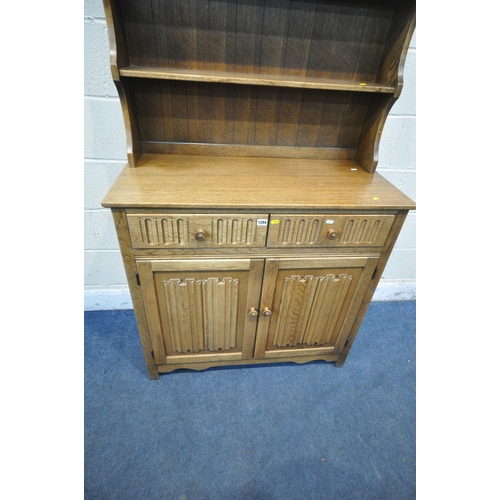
(197, 230)
(328, 230)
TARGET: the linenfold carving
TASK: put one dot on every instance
(302, 319)
(202, 314)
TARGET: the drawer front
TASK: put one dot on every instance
(197, 230)
(328, 230)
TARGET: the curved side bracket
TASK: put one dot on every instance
(118, 58)
(391, 72)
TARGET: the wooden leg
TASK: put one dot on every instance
(153, 372)
(135, 290)
(386, 252)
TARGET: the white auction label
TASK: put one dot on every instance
(261, 222)
(329, 221)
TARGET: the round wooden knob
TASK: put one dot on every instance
(266, 312)
(253, 312)
(332, 234)
(200, 235)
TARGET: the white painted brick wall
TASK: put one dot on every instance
(105, 155)
(397, 163)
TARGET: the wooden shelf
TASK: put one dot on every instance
(253, 79)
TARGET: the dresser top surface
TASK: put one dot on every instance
(210, 182)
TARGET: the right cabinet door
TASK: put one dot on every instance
(308, 306)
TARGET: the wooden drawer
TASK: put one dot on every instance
(197, 230)
(328, 230)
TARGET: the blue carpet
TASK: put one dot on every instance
(275, 432)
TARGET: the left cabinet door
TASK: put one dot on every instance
(201, 310)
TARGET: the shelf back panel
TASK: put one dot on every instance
(308, 38)
(212, 113)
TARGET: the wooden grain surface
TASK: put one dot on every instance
(214, 113)
(129, 263)
(197, 310)
(254, 79)
(337, 40)
(302, 78)
(207, 182)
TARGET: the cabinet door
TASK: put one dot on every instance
(201, 310)
(308, 307)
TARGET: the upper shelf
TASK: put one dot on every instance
(328, 45)
(254, 79)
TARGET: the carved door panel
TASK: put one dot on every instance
(198, 310)
(308, 307)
